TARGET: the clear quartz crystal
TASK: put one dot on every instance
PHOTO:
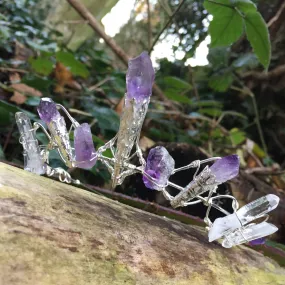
(243, 216)
(57, 128)
(204, 182)
(140, 77)
(33, 160)
(252, 232)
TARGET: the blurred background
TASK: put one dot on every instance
(210, 101)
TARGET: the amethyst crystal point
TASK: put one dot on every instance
(84, 149)
(140, 77)
(258, 241)
(159, 166)
(226, 168)
(47, 110)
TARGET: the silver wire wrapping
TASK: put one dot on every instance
(124, 146)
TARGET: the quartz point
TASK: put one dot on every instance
(208, 179)
(159, 166)
(258, 241)
(140, 77)
(85, 153)
(243, 216)
(33, 161)
(56, 124)
(47, 110)
(248, 234)
(139, 80)
(226, 168)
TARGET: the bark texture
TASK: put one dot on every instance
(52, 233)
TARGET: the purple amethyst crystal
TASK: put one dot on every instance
(226, 168)
(258, 241)
(159, 166)
(84, 149)
(140, 77)
(47, 110)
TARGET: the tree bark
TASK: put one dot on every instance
(53, 233)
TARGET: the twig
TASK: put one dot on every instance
(75, 111)
(189, 117)
(264, 171)
(8, 138)
(195, 90)
(276, 17)
(247, 91)
(166, 25)
(94, 87)
(95, 25)
(279, 70)
(75, 22)
(13, 70)
(149, 24)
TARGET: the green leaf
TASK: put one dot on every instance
(214, 7)
(75, 66)
(225, 28)
(5, 118)
(107, 118)
(219, 57)
(258, 36)
(227, 24)
(41, 84)
(221, 82)
(237, 136)
(177, 83)
(41, 65)
(207, 103)
(244, 5)
(99, 143)
(173, 95)
(39, 47)
(246, 60)
(33, 101)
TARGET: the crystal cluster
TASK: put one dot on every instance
(251, 233)
(33, 161)
(159, 166)
(243, 216)
(236, 228)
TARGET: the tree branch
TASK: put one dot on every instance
(149, 24)
(279, 70)
(166, 24)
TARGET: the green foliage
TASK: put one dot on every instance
(227, 26)
(257, 34)
(76, 67)
(221, 82)
(237, 136)
(41, 65)
(205, 101)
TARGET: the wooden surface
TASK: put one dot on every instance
(52, 233)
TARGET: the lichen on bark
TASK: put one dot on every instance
(52, 233)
